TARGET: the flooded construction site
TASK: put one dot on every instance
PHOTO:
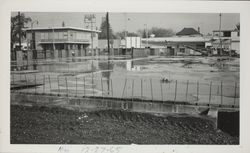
(77, 83)
(196, 80)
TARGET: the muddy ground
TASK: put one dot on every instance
(48, 125)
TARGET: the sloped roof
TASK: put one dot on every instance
(187, 31)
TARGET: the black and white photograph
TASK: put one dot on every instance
(123, 78)
(117, 77)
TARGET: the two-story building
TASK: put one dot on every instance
(61, 42)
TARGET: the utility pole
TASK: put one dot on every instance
(220, 36)
(107, 20)
(20, 31)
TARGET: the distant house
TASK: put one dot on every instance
(188, 32)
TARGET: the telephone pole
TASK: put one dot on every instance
(220, 37)
(107, 20)
(20, 31)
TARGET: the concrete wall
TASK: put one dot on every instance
(140, 52)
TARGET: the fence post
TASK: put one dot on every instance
(43, 84)
(76, 86)
(235, 87)
(132, 90)
(197, 91)
(58, 86)
(141, 90)
(210, 92)
(67, 86)
(187, 90)
(124, 87)
(151, 87)
(175, 90)
(49, 84)
(35, 84)
(161, 91)
(221, 94)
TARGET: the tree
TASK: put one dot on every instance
(17, 28)
(161, 32)
(121, 35)
(103, 29)
(158, 32)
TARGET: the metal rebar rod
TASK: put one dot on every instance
(235, 88)
(151, 87)
(93, 94)
(187, 90)
(124, 87)
(161, 91)
(175, 90)
(26, 81)
(35, 84)
(132, 90)
(67, 86)
(76, 86)
(141, 89)
(221, 94)
(111, 87)
(102, 86)
(13, 81)
(210, 92)
(197, 91)
(84, 86)
(58, 85)
(43, 84)
(49, 84)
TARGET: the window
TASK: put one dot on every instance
(56, 35)
(65, 35)
(46, 36)
(42, 36)
(182, 50)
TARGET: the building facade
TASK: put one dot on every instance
(61, 42)
(227, 40)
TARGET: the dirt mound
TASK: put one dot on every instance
(43, 125)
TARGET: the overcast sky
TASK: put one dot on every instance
(135, 21)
